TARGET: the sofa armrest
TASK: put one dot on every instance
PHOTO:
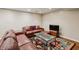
(28, 46)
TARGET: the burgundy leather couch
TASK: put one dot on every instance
(30, 30)
(8, 41)
(13, 40)
(23, 42)
(16, 40)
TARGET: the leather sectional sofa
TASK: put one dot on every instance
(13, 40)
(30, 30)
(16, 41)
(9, 41)
(24, 43)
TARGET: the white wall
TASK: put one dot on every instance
(68, 21)
(16, 20)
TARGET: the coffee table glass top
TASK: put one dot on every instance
(45, 36)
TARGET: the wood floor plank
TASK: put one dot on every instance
(76, 46)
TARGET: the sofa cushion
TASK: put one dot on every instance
(22, 39)
(32, 27)
(26, 28)
(10, 33)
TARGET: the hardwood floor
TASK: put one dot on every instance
(76, 46)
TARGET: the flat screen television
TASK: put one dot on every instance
(54, 27)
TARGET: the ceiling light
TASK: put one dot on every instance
(28, 9)
(49, 8)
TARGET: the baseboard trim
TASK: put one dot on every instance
(76, 40)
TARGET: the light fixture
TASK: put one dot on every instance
(49, 8)
(28, 9)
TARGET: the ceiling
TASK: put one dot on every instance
(35, 10)
(40, 10)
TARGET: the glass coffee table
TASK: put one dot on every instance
(52, 43)
(45, 38)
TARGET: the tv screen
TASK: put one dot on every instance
(54, 27)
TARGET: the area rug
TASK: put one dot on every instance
(61, 44)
